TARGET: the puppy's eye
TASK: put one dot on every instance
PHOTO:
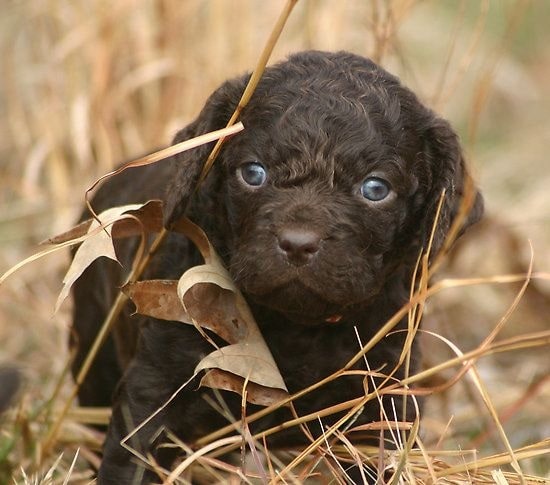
(375, 189)
(253, 174)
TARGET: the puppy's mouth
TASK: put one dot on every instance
(300, 304)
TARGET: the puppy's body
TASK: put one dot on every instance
(319, 209)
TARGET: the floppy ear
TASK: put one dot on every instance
(449, 174)
(187, 166)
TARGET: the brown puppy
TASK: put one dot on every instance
(319, 209)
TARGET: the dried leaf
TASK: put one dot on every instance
(157, 299)
(250, 359)
(97, 245)
(149, 214)
(256, 394)
(212, 300)
(119, 221)
(210, 308)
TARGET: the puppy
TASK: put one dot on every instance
(319, 209)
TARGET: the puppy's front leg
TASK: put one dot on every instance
(166, 358)
(119, 464)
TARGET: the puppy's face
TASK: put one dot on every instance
(330, 192)
(312, 222)
(318, 192)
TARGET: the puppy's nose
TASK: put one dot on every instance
(299, 244)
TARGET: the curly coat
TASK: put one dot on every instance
(322, 266)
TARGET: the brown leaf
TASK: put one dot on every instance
(97, 245)
(212, 308)
(212, 300)
(123, 222)
(157, 299)
(250, 360)
(149, 214)
(255, 393)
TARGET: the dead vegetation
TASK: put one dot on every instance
(88, 84)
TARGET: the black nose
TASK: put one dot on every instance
(299, 244)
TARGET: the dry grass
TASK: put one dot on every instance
(87, 84)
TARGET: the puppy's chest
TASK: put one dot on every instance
(305, 356)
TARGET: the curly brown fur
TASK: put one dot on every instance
(306, 246)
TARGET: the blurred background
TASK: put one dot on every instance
(87, 84)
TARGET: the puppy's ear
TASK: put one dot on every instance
(448, 174)
(187, 166)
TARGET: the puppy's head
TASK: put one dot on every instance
(332, 189)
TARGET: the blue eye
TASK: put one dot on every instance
(375, 189)
(253, 174)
